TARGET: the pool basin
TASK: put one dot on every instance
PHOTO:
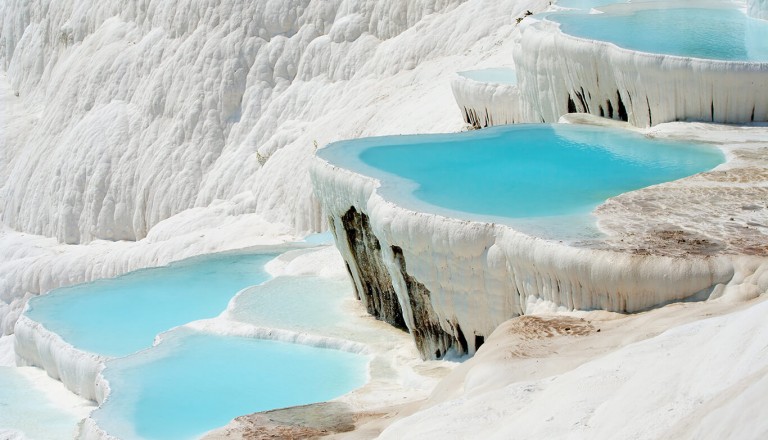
(715, 32)
(194, 382)
(120, 316)
(542, 179)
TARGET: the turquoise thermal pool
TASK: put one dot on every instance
(518, 172)
(497, 75)
(119, 316)
(194, 382)
(724, 33)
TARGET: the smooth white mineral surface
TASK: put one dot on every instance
(186, 127)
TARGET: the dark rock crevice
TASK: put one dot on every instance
(378, 293)
(374, 286)
(479, 341)
(571, 105)
(431, 340)
(461, 339)
(622, 110)
(583, 98)
(650, 117)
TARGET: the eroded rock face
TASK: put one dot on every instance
(430, 338)
(373, 270)
(456, 281)
(372, 280)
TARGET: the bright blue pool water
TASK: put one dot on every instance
(518, 171)
(719, 33)
(192, 383)
(498, 75)
(119, 316)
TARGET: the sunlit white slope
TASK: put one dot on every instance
(700, 380)
(137, 110)
(131, 112)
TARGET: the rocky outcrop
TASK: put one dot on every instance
(372, 281)
(374, 270)
(78, 370)
(430, 338)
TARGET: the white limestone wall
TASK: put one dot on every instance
(484, 104)
(481, 274)
(189, 126)
(553, 67)
(79, 371)
(126, 113)
(758, 9)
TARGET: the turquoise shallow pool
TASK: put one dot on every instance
(119, 316)
(521, 171)
(718, 33)
(498, 75)
(192, 383)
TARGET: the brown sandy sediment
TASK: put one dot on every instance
(327, 420)
(295, 423)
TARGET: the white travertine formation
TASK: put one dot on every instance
(32, 265)
(189, 126)
(559, 74)
(128, 112)
(557, 378)
(484, 104)
(123, 119)
(78, 370)
(758, 9)
(477, 275)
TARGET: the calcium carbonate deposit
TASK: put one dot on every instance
(139, 133)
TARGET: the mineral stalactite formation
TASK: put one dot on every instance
(452, 281)
(484, 104)
(559, 74)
